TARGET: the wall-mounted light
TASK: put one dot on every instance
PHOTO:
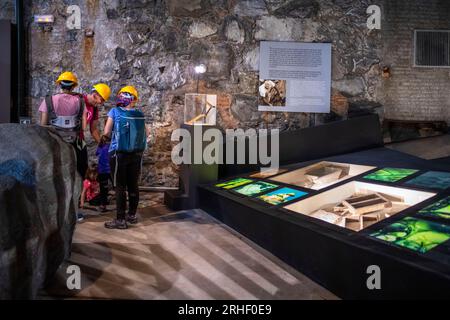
(44, 19)
(199, 69)
(89, 33)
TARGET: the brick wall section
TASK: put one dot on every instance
(414, 93)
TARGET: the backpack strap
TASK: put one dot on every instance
(81, 108)
(50, 107)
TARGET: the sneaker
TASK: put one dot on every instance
(116, 224)
(80, 217)
(103, 209)
(132, 219)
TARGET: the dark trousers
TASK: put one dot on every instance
(96, 201)
(103, 180)
(126, 168)
(82, 159)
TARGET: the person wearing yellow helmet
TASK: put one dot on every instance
(64, 111)
(70, 113)
(99, 94)
(67, 80)
(131, 90)
(127, 126)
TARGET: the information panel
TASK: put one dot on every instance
(294, 77)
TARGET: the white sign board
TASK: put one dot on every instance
(294, 77)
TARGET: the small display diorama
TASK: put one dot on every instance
(439, 209)
(233, 183)
(255, 188)
(431, 179)
(200, 109)
(415, 234)
(357, 205)
(267, 173)
(390, 174)
(282, 195)
(322, 174)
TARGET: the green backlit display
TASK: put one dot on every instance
(233, 183)
(415, 234)
(390, 174)
(255, 188)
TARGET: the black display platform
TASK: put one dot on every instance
(191, 175)
(327, 140)
(336, 257)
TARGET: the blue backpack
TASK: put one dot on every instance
(130, 131)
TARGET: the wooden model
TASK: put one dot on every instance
(202, 115)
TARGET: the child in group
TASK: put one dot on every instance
(91, 188)
(104, 171)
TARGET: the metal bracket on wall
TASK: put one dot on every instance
(45, 22)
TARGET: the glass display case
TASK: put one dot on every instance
(357, 205)
(200, 109)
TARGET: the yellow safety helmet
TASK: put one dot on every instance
(129, 89)
(103, 90)
(67, 76)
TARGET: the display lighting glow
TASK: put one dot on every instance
(201, 68)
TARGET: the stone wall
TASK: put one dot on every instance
(154, 44)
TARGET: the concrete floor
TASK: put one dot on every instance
(426, 148)
(175, 255)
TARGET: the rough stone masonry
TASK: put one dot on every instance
(154, 44)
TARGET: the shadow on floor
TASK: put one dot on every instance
(175, 255)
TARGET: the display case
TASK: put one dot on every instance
(357, 205)
(323, 174)
(200, 109)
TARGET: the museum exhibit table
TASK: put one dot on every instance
(334, 217)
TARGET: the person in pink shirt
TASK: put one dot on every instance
(70, 113)
(82, 110)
